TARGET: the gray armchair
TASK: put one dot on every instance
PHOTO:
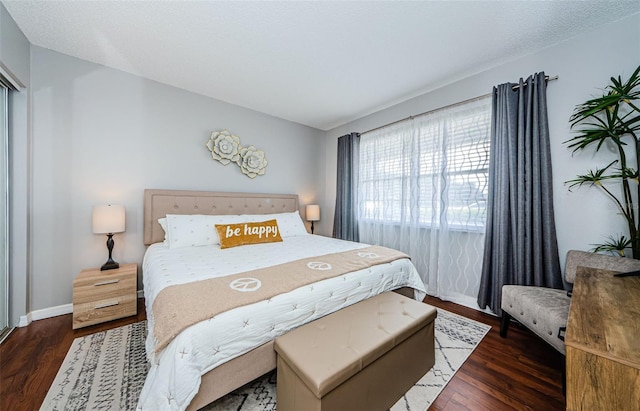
(545, 310)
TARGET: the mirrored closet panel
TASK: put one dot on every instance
(4, 213)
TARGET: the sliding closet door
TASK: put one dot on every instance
(4, 213)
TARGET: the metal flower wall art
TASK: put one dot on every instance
(226, 148)
(252, 163)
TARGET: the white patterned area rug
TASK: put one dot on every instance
(106, 371)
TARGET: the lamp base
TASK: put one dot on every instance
(109, 265)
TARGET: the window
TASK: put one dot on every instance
(429, 171)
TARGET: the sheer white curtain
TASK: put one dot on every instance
(422, 189)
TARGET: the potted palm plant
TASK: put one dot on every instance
(613, 121)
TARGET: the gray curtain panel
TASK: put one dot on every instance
(520, 242)
(345, 220)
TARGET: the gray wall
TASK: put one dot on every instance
(584, 65)
(103, 136)
(14, 57)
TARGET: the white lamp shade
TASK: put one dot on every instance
(108, 219)
(313, 212)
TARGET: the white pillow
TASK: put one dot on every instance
(289, 224)
(196, 230)
(163, 224)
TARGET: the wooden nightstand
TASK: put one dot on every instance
(100, 296)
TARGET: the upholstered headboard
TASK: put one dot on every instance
(159, 203)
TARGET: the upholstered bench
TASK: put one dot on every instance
(363, 357)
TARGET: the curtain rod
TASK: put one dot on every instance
(515, 87)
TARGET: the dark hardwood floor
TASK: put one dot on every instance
(520, 372)
(517, 373)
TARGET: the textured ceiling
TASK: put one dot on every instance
(317, 63)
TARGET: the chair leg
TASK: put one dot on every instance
(504, 324)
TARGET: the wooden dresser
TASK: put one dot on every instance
(603, 342)
(100, 296)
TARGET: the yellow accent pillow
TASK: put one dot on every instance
(232, 235)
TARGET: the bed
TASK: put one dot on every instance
(217, 364)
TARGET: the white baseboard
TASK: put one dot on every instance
(25, 320)
(466, 301)
(52, 312)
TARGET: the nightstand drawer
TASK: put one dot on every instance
(106, 287)
(95, 312)
(100, 296)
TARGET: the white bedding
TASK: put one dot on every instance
(175, 374)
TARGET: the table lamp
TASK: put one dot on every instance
(108, 219)
(313, 214)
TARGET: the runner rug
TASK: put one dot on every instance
(106, 371)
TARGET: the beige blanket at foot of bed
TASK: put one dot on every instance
(180, 306)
